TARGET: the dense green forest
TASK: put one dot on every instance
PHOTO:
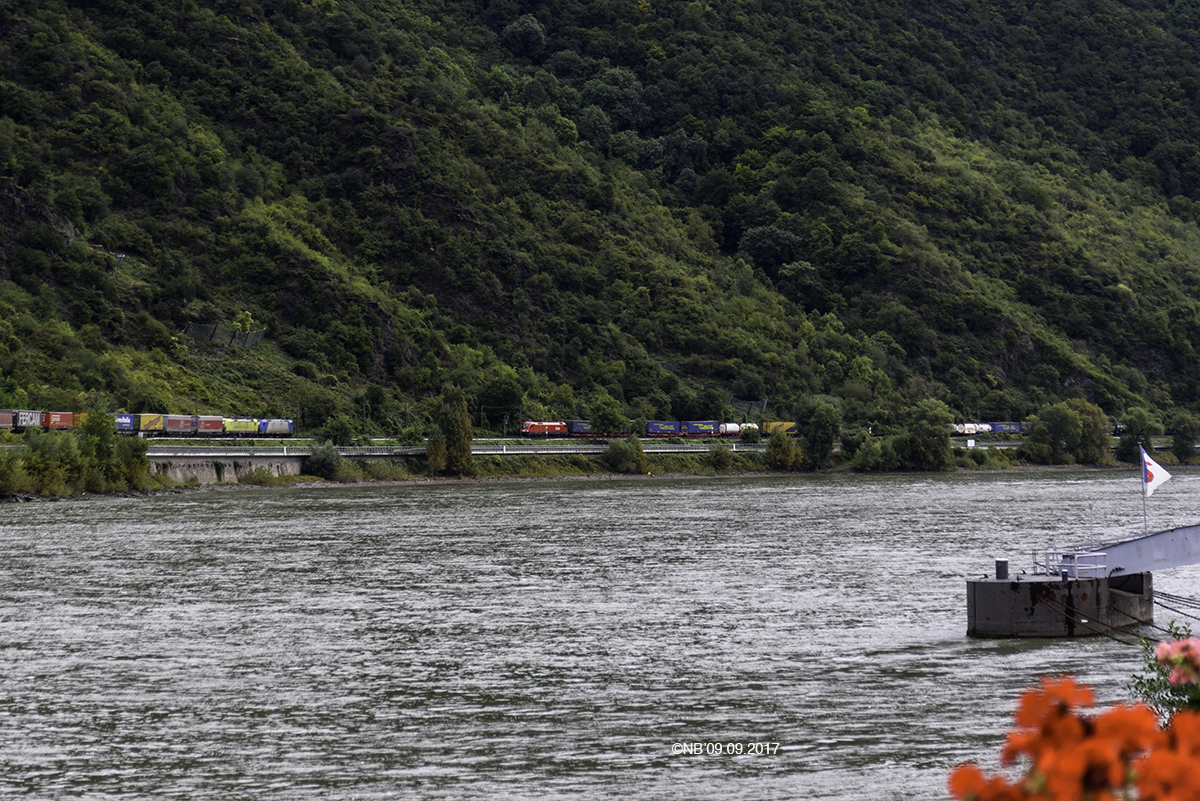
(668, 209)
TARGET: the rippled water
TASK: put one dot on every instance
(534, 640)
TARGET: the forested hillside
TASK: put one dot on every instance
(559, 207)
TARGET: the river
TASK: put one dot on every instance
(536, 639)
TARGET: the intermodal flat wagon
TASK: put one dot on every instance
(209, 425)
(57, 421)
(179, 424)
(662, 428)
(580, 428)
(26, 418)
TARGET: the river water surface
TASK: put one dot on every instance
(536, 640)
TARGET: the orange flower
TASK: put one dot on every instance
(968, 782)
(1076, 758)
(1132, 727)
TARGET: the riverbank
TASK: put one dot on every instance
(413, 479)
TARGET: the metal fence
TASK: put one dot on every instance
(224, 336)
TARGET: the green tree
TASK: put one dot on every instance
(1095, 443)
(54, 462)
(605, 414)
(339, 430)
(1186, 428)
(454, 421)
(1069, 432)
(781, 452)
(524, 36)
(822, 429)
(97, 446)
(133, 468)
(1054, 435)
(929, 426)
(1140, 425)
(435, 451)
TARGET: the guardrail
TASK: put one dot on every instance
(352, 452)
(1091, 564)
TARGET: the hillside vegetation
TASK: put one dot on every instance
(667, 208)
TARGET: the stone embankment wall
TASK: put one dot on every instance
(219, 470)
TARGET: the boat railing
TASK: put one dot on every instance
(1056, 562)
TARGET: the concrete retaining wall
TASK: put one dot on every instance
(218, 470)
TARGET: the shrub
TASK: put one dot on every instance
(12, 471)
(348, 472)
(262, 477)
(324, 461)
(1154, 685)
(625, 456)
(381, 470)
(720, 456)
(869, 456)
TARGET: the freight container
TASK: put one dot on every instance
(26, 418)
(179, 424)
(771, 428)
(127, 423)
(1006, 428)
(7, 419)
(209, 425)
(241, 426)
(151, 424)
(580, 428)
(275, 428)
(698, 428)
(662, 428)
(57, 421)
(729, 429)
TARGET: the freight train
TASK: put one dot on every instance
(654, 428)
(151, 425)
(990, 428)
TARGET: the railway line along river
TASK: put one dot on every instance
(743, 638)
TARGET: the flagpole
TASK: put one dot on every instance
(1145, 514)
(1153, 474)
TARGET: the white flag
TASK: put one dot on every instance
(1153, 474)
